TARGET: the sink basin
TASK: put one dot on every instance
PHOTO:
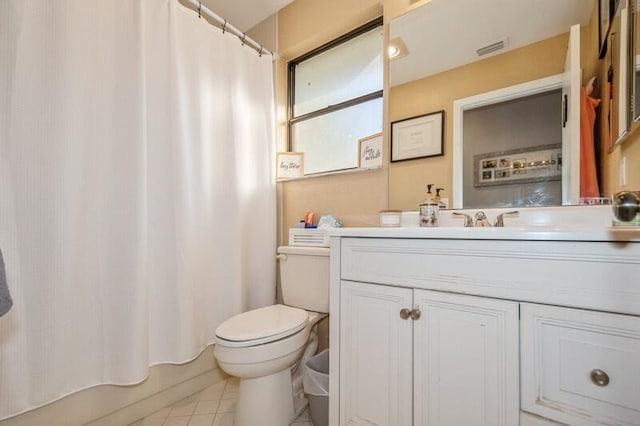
(531, 218)
(567, 223)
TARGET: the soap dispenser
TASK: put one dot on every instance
(441, 204)
(429, 209)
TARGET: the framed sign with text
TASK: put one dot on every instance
(417, 137)
(289, 165)
(370, 149)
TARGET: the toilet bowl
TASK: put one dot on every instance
(262, 345)
(266, 354)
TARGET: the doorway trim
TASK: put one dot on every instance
(504, 94)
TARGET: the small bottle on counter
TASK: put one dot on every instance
(308, 220)
(441, 204)
(429, 209)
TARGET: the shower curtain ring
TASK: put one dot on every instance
(260, 51)
(199, 9)
(224, 26)
(244, 36)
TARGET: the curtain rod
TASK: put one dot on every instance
(225, 26)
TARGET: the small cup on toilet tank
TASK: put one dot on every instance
(390, 218)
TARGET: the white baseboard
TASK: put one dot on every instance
(153, 403)
(527, 419)
(110, 405)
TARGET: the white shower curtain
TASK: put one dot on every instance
(137, 198)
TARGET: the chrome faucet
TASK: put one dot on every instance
(468, 222)
(482, 221)
(500, 219)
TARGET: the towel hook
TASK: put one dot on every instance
(224, 26)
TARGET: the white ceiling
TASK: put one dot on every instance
(245, 14)
(444, 34)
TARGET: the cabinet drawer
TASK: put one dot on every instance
(578, 274)
(580, 367)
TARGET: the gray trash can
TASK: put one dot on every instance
(315, 380)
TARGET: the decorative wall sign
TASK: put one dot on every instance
(542, 163)
(370, 149)
(289, 165)
(417, 137)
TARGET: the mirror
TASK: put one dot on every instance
(619, 62)
(635, 68)
(483, 29)
(491, 46)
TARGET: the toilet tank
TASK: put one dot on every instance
(304, 277)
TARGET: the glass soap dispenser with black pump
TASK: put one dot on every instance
(441, 204)
(429, 209)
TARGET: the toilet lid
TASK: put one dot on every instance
(262, 325)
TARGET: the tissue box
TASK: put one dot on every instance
(308, 237)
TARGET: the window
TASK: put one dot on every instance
(335, 99)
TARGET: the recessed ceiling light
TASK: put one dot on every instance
(397, 49)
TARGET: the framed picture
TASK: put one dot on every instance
(539, 164)
(417, 137)
(289, 165)
(370, 149)
(606, 11)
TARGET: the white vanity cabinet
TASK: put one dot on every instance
(522, 329)
(426, 358)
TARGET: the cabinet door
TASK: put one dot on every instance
(465, 361)
(375, 355)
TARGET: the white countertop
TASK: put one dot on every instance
(531, 233)
(566, 223)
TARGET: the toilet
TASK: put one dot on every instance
(261, 346)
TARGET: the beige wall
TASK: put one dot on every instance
(266, 33)
(395, 8)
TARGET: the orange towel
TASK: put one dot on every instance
(588, 175)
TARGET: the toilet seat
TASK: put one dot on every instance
(261, 326)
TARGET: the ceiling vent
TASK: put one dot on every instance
(492, 47)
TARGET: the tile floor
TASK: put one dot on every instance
(213, 406)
